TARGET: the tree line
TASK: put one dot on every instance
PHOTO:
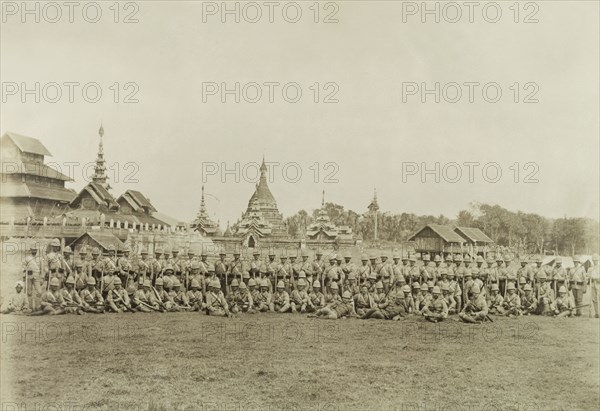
(525, 232)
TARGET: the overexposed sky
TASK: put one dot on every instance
(371, 137)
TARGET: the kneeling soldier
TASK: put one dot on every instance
(244, 302)
(179, 297)
(144, 299)
(528, 302)
(195, 297)
(317, 299)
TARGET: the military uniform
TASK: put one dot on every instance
(577, 281)
(281, 299)
(475, 310)
(436, 309)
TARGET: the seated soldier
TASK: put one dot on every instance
(475, 310)
(512, 303)
(423, 298)
(333, 295)
(281, 299)
(73, 301)
(233, 295)
(528, 302)
(496, 301)
(563, 306)
(391, 307)
(244, 302)
(94, 303)
(19, 303)
(195, 297)
(52, 302)
(408, 302)
(216, 305)
(299, 299)
(144, 299)
(164, 300)
(436, 309)
(337, 309)
(117, 299)
(545, 295)
(262, 299)
(317, 299)
(363, 302)
(179, 297)
(449, 298)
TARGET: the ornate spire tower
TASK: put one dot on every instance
(100, 176)
(373, 209)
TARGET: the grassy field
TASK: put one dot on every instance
(189, 361)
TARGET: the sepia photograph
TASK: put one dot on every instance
(303, 205)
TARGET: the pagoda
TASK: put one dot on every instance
(325, 229)
(262, 218)
(203, 223)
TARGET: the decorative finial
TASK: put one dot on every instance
(323, 199)
(101, 130)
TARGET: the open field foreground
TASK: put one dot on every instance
(188, 361)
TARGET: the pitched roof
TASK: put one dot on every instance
(473, 234)
(103, 238)
(31, 190)
(27, 144)
(444, 231)
(36, 169)
(140, 199)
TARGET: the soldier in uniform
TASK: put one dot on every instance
(144, 299)
(94, 303)
(545, 295)
(416, 291)
(529, 304)
(73, 302)
(262, 299)
(318, 266)
(271, 267)
(501, 264)
(351, 285)
(467, 292)
(117, 299)
(348, 267)
(559, 275)
(475, 310)
(332, 294)
(307, 267)
(415, 271)
(495, 300)
(236, 267)
(164, 300)
(379, 294)
(244, 302)
(578, 284)
(231, 296)
(422, 299)
(364, 271)
(455, 290)
(436, 309)
(443, 278)
(391, 308)
(124, 266)
(408, 302)
(337, 309)
(53, 261)
(194, 295)
(221, 267)
(317, 299)
(331, 272)
(19, 303)
(66, 259)
(281, 299)
(52, 302)
(32, 276)
(299, 299)
(594, 278)
(512, 303)
(284, 271)
(363, 302)
(179, 297)
(522, 272)
(449, 298)
(563, 305)
(215, 301)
